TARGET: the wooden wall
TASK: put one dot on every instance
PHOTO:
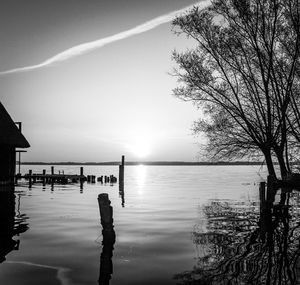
(7, 164)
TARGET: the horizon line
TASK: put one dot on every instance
(116, 162)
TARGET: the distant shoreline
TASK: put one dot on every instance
(157, 163)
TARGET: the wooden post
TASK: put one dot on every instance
(52, 173)
(81, 179)
(121, 170)
(121, 173)
(30, 177)
(44, 178)
(109, 238)
(106, 212)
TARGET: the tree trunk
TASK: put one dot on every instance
(282, 164)
(269, 163)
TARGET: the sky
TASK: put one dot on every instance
(90, 79)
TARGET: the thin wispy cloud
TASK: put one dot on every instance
(90, 46)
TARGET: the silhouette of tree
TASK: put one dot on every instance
(243, 73)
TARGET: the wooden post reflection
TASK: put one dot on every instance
(122, 193)
(265, 220)
(262, 195)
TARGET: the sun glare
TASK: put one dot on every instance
(140, 148)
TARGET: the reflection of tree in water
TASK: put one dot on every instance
(243, 245)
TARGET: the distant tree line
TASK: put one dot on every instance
(243, 73)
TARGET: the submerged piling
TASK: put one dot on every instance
(44, 178)
(30, 177)
(81, 179)
(52, 173)
(109, 238)
(106, 212)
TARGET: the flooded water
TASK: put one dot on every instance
(173, 225)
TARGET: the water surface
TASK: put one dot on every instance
(162, 223)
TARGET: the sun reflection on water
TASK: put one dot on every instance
(141, 173)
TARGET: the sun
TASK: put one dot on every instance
(140, 148)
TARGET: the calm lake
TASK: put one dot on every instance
(173, 225)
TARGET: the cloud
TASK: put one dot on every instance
(90, 46)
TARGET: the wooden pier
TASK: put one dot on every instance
(62, 178)
(52, 177)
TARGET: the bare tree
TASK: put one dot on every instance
(242, 73)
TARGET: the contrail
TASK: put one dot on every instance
(61, 274)
(90, 46)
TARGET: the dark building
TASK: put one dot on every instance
(10, 138)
